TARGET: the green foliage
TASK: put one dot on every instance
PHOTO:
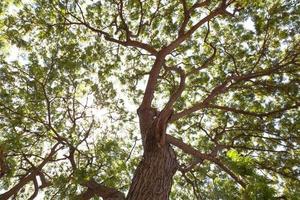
(259, 189)
(241, 164)
(64, 79)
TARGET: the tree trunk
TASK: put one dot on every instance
(153, 177)
(154, 174)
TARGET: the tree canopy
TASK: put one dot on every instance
(223, 74)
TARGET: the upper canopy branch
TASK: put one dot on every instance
(221, 8)
(128, 42)
(206, 63)
(187, 13)
(235, 80)
(124, 25)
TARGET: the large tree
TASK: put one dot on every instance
(149, 99)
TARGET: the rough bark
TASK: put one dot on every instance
(96, 189)
(154, 174)
(153, 177)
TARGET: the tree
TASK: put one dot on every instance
(154, 99)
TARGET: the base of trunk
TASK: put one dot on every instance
(153, 177)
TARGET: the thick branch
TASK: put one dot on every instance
(186, 17)
(186, 148)
(160, 56)
(190, 150)
(96, 189)
(178, 91)
(152, 81)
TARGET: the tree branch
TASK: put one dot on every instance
(31, 176)
(188, 168)
(178, 91)
(216, 91)
(96, 189)
(230, 81)
(107, 36)
(36, 189)
(152, 81)
(187, 13)
(244, 112)
(192, 151)
(173, 45)
(186, 18)
(205, 63)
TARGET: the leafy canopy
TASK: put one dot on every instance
(73, 73)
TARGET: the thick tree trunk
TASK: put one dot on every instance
(153, 177)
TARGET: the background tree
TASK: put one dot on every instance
(215, 84)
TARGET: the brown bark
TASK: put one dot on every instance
(96, 189)
(154, 174)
